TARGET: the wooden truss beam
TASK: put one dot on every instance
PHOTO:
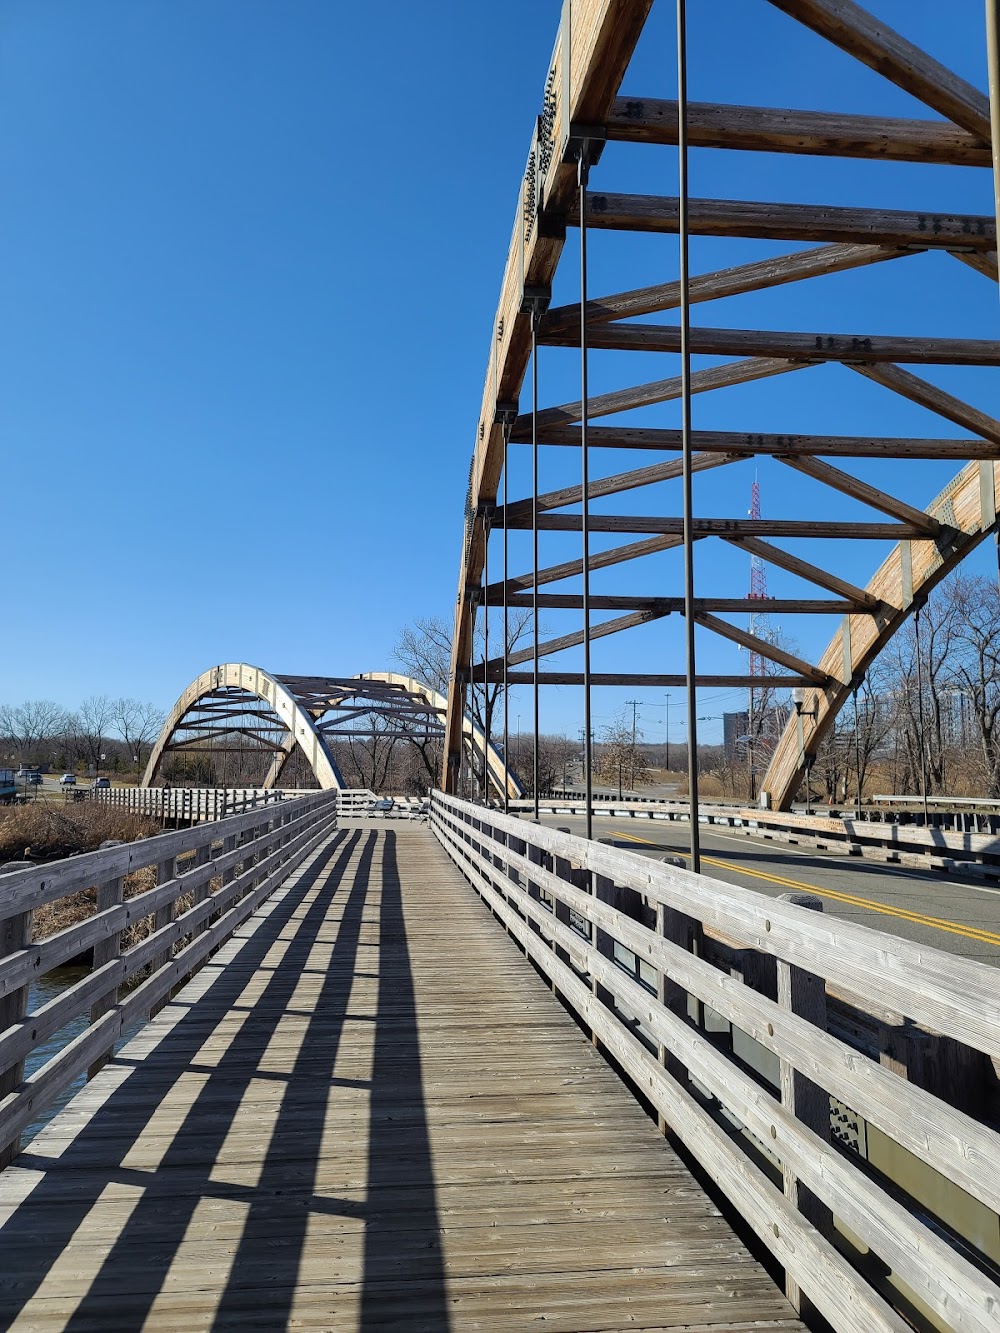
(569, 569)
(762, 646)
(812, 573)
(727, 527)
(659, 391)
(936, 400)
(853, 347)
(651, 681)
(875, 44)
(573, 640)
(747, 445)
(781, 130)
(982, 263)
(773, 221)
(755, 277)
(729, 605)
(861, 490)
(518, 514)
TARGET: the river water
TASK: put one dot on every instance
(42, 991)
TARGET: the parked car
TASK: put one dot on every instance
(102, 782)
(32, 779)
(68, 780)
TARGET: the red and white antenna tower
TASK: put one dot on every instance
(760, 625)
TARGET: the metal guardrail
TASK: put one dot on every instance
(914, 845)
(619, 938)
(208, 879)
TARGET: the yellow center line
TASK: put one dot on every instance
(917, 918)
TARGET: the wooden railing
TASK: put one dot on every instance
(622, 940)
(208, 879)
(357, 802)
(189, 804)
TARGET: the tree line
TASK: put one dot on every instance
(103, 733)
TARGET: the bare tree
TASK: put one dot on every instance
(32, 728)
(920, 690)
(138, 724)
(975, 665)
(617, 760)
(424, 651)
(90, 726)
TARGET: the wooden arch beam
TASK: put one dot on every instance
(904, 580)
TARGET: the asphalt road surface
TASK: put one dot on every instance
(947, 911)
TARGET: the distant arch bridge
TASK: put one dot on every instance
(239, 705)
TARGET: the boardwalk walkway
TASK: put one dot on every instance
(367, 1112)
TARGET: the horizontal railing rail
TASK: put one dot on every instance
(622, 940)
(191, 804)
(913, 844)
(208, 879)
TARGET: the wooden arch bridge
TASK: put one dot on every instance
(590, 106)
(314, 1071)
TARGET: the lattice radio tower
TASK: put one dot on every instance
(760, 623)
(760, 628)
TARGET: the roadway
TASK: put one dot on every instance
(949, 912)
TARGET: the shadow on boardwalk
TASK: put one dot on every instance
(126, 1224)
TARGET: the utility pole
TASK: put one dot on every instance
(667, 732)
(636, 703)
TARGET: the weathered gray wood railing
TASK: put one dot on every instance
(209, 878)
(622, 940)
(190, 804)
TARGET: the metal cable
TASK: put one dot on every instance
(685, 339)
(486, 659)
(506, 634)
(534, 546)
(920, 715)
(583, 172)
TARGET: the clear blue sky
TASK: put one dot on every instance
(249, 258)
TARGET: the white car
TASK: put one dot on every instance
(68, 780)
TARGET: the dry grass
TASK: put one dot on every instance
(44, 833)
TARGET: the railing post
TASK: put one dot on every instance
(533, 890)
(110, 894)
(201, 858)
(165, 871)
(604, 892)
(563, 869)
(686, 932)
(803, 993)
(15, 934)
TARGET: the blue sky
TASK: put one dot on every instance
(249, 259)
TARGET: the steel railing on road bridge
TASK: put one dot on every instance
(797, 1128)
(922, 847)
(203, 882)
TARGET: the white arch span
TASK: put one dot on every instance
(300, 703)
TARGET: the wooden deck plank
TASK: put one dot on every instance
(367, 1111)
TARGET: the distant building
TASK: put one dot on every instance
(735, 726)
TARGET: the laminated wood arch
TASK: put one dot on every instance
(966, 512)
(306, 713)
(222, 690)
